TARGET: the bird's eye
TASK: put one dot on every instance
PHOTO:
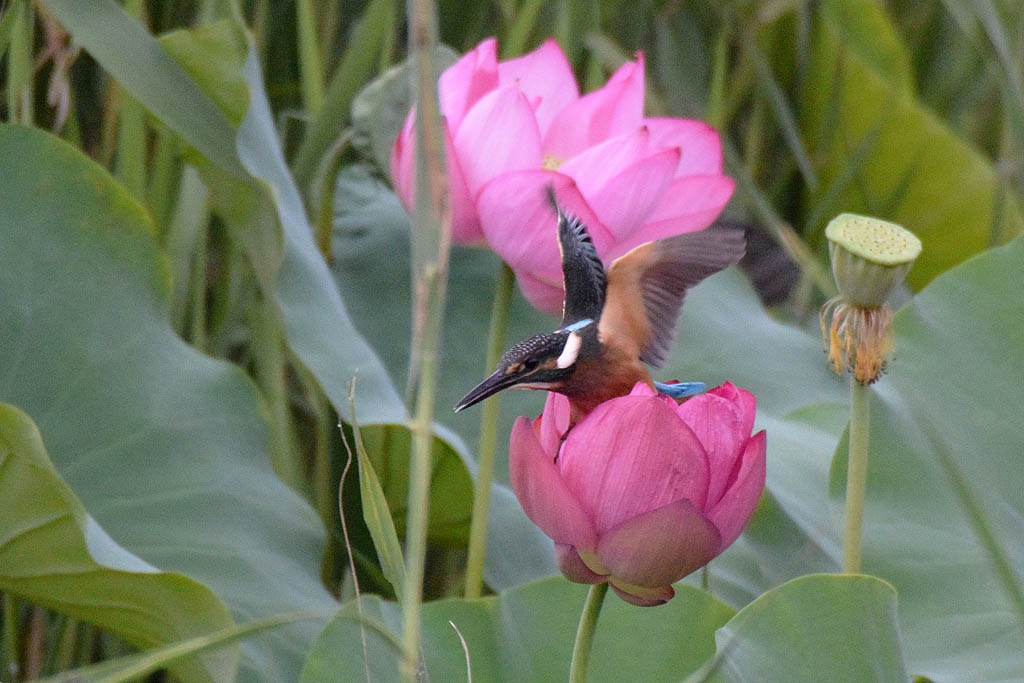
(530, 365)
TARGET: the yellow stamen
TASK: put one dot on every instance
(550, 163)
(857, 339)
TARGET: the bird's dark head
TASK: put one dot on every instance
(543, 361)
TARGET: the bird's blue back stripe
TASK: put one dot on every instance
(578, 325)
(681, 389)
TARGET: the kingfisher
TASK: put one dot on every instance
(614, 321)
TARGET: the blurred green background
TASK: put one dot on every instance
(199, 248)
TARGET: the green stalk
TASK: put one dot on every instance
(131, 146)
(184, 241)
(271, 369)
(311, 65)
(740, 82)
(163, 181)
(856, 476)
(585, 633)
(328, 21)
(258, 23)
(197, 287)
(19, 64)
(387, 47)
(64, 652)
(356, 68)
(10, 646)
(231, 290)
(719, 72)
(72, 132)
(112, 98)
(576, 20)
(326, 177)
(131, 132)
(488, 438)
(324, 494)
(431, 240)
(754, 135)
(419, 481)
(7, 17)
(521, 29)
(35, 637)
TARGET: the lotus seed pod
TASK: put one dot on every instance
(870, 257)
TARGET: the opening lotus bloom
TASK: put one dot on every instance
(513, 128)
(644, 491)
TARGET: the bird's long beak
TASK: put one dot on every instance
(490, 386)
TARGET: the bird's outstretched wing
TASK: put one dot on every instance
(582, 271)
(646, 288)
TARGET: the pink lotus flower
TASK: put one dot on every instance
(514, 127)
(644, 491)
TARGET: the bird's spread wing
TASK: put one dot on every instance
(646, 288)
(582, 270)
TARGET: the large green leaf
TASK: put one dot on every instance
(526, 634)
(213, 55)
(882, 153)
(815, 628)
(53, 553)
(166, 448)
(823, 627)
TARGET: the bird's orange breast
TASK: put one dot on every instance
(596, 380)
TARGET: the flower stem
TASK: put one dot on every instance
(856, 476)
(431, 240)
(488, 438)
(310, 64)
(585, 633)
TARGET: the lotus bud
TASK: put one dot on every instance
(642, 491)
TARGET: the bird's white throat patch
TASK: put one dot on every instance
(570, 351)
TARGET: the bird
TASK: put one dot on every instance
(615, 322)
